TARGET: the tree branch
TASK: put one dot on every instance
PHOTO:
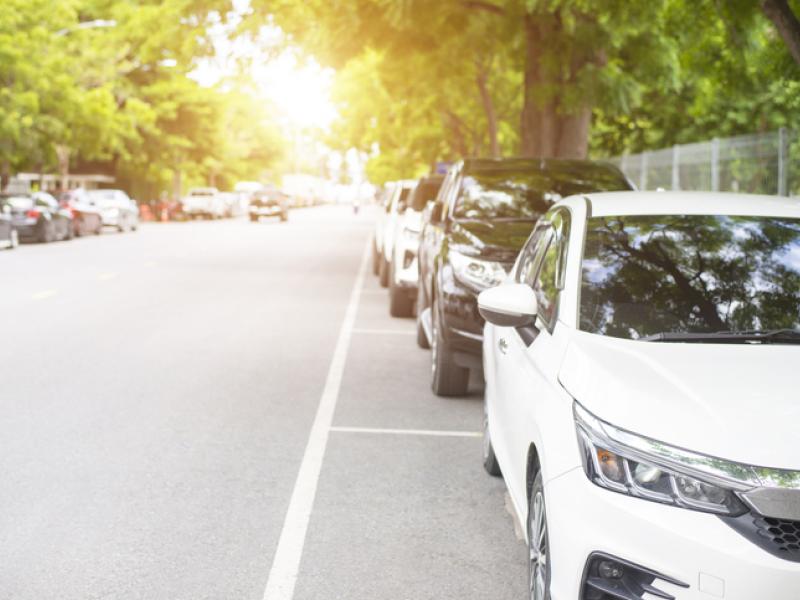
(785, 21)
(484, 6)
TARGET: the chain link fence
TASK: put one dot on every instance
(760, 164)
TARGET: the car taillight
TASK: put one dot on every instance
(33, 214)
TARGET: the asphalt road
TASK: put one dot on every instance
(157, 394)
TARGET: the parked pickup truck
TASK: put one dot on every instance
(204, 203)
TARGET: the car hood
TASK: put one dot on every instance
(733, 401)
(497, 240)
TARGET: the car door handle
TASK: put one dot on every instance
(503, 345)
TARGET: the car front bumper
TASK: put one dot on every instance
(698, 549)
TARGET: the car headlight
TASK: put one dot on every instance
(637, 466)
(475, 272)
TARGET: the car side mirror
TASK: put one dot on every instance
(436, 214)
(508, 305)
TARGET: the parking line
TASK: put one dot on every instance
(44, 294)
(385, 331)
(431, 432)
(286, 564)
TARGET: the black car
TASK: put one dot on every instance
(269, 203)
(38, 217)
(483, 214)
(8, 235)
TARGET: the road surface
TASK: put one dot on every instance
(159, 389)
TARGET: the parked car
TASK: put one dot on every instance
(403, 270)
(483, 214)
(86, 217)
(384, 201)
(397, 206)
(269, 202)
(640, 399)
(203, 202)
(9, 238)
(116, 208)
(38, 217)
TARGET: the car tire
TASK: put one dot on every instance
(376, 258)
(489, 459)
(400, 304)
(284, 217)
(254, 218)
(383, 272)
(47, 232)
(539, 567)
(422, 338)
(69, 232)
(447, 378)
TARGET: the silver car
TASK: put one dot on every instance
(116, 208)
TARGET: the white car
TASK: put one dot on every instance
(641, 398)
(397, 206)
(384, 201)
(207, 203)
(116, 209)
(404, 266)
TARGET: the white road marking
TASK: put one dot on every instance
(385, 331)
(286, 564)
(107, 276)
(44, 294)
(431, 432)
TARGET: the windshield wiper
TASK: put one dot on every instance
(770, 336)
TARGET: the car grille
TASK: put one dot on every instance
(779, 537)
(784, 535)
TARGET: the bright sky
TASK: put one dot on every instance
(300, 89)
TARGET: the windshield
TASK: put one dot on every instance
(649, 275)
(424, 193)
(529, 193)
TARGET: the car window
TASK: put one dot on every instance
(546, 285)
(424, 192)
(652, 274)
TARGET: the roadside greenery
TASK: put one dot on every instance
(427, 80)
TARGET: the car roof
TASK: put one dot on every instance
(535, 164)
(605, 204)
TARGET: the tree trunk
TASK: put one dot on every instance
(785, 21)
(573, 137)
(5, 174)
(539, 122)
(488, 108)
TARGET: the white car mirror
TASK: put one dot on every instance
(508, 305)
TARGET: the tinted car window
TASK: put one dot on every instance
(545, 288)
(425, 191)
(528, 193)
(644, 275)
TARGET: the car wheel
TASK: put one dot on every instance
(68, 231)
(383, 272)
(422, 338)
(284, 217)
(447, 378)
(399, 303)
(376, 258)
(46, 232)
(538, 543)
(489, 459)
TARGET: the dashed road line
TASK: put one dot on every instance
(423, 432)
(286, 564)
(44, 294)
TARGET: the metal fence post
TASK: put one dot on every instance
(676, 167)
(643, 175)
(715, 165)
(782, 160)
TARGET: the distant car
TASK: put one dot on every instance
(397, 206)
(269, 203)
(87, 218)
(38, 217)
(204, 202)
(232, 202)
(384, 200)
(403, 267)
(9, 238)
(116, 208)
